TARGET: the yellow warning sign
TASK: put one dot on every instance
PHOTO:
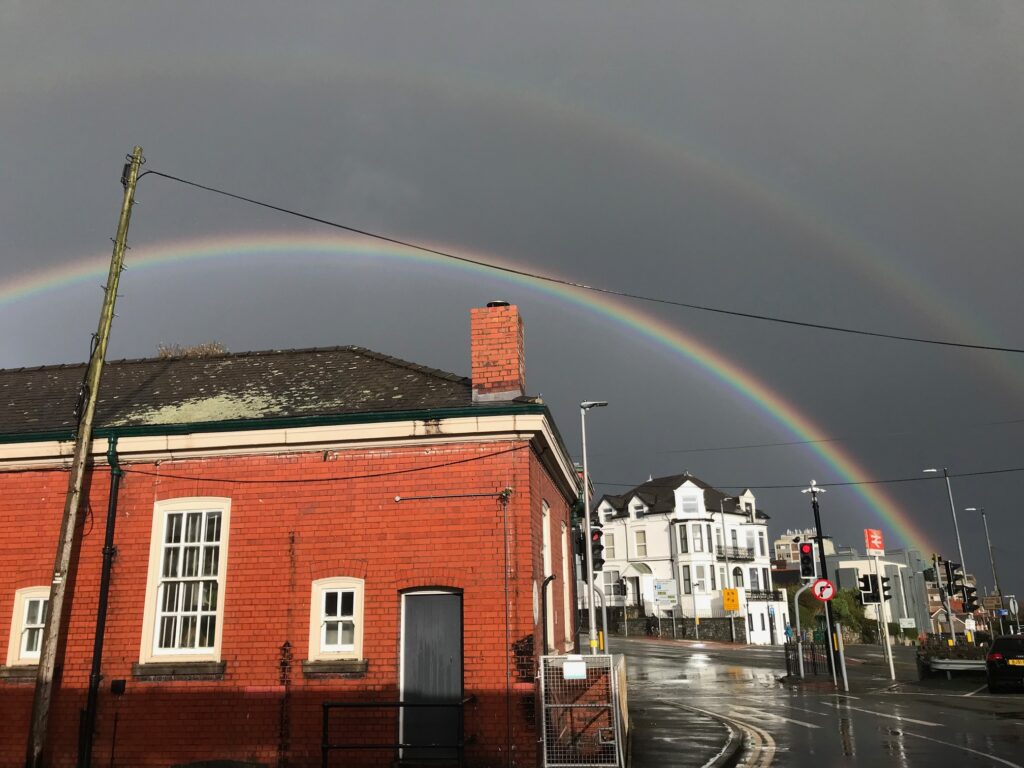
(731, 599)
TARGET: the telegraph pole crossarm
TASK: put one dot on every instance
(55, 630)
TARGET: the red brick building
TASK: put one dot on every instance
(291, 528)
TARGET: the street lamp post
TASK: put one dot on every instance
(588, 577)
(952, 510)
(814, 490)
(956, 529)
(992, 561)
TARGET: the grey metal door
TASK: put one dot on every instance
(431, 672)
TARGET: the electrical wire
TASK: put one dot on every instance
(891, 481)
(708, 449)
(304, 480)
(584, 286)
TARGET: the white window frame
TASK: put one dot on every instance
(149, 651)
(699, 583)
(318, 649)
(640, 540)
(609, 545)
(16, 654)
(690, 505)
(567, 607)
(697, 538)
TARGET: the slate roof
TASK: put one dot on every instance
(248, 385)
(659, 496)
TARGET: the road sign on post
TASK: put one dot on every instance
(731, 599)
(824, 590)
(665, 592)
(874, 544)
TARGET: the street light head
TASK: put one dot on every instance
(970, 509)
(930, 470)
(586, 405)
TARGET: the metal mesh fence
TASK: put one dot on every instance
(581, 722)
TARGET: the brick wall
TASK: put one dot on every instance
(283, 536)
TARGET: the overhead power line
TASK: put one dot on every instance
(891, 481)
(709, 449)
(331, 479)
(584, 286)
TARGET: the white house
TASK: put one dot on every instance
(680, 530)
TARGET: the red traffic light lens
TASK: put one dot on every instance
(806, 548)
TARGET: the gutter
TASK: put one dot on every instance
(280, 422)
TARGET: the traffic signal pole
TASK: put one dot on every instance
(882, 619)
(59, 610)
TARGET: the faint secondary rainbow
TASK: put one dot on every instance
(617, 311)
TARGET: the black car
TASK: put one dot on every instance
(1004, 664)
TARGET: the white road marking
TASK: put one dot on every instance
(977, 691)
(965, 749)
(883, 714)
(760, 744)
(763, 715)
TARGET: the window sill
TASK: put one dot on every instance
(330, 668)
(164, 671)
(20, 673)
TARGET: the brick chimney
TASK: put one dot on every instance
(497, 351)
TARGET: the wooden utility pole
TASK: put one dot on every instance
(51, 655)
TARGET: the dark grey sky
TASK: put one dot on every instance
(853, 164)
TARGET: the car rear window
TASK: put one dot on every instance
(1008, 645)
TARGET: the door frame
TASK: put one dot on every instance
(413, 592)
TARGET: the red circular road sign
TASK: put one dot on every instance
(823, 589)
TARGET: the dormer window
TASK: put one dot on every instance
(690, 506)
(638, 510)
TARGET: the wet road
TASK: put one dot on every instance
(687, 698)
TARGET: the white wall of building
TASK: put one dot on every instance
(688, 546)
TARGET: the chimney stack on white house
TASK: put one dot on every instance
(498, 359)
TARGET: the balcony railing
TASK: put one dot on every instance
(763, 596)
(735, 553)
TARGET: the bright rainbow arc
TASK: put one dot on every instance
(617, 311)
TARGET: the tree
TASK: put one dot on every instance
(809, 607)
(847, 610)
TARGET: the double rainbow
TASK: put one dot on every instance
(619, 312)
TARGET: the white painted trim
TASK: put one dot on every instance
(147, 646)
(21, 596)
(58, 454)
(314, 652)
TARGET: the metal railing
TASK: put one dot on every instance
(765, 596)
(735, 553)
(327, 746)
(815, 658)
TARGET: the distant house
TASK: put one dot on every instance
(292, 528)
(680, 530)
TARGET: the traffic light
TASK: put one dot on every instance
(886, 589)
(868, 589)
(808, 569)
(579, 542)
(970, 599)
(596, 548)
(954, 578)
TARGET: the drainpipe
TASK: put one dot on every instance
(87, 725)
